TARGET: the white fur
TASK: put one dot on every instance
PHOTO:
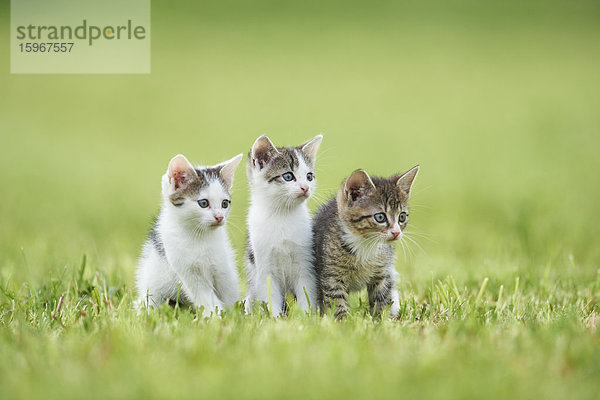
(199, 257)
(279, 227)
(366, 250)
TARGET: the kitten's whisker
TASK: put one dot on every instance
(409, 250)
(234, 225)
(324, 157)
(403, 249)
(318, 196)
(414, 228)
(416, 243)
(412, 231)
(419, 205)
(421, 235)
(417, 236)
(422, 189)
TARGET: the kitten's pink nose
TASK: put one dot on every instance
(304, 188)
(395, 234)
(218, 218)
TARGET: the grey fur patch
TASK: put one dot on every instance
(209, 174)
(155, 239)
(212, 174)
(249, 251)
(277, 164)
(204, 177)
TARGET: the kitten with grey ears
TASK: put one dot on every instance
(188, 256)
(353, 237)
(279, 226)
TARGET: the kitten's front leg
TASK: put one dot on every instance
(205, 297)
(382, 291)
(335, 291)
(200, 293)
(260, 292)
(226, 283)
(216, 308)
(306, 286)
(395, 309)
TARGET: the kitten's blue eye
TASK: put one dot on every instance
(288, 177)
(402, 217)
(203, 203)
(380, 217)
(225, 203)
(310, 176)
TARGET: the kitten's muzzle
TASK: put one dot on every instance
(395, 235)
(218, 220)
(304, 193)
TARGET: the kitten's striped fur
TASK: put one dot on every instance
(354, 251)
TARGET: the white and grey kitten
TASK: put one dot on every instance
(188, 252)
(279, 224)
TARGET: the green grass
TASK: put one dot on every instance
(497, 102)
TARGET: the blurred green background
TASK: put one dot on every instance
(498, 101)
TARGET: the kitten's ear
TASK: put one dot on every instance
(311, 147)
(406, 179)
(263, 151)
(228, 169)
(358, 185)
(180, 172)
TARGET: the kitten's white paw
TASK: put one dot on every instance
(395, 309)
(247, 306)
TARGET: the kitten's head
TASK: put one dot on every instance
(200, 196)
(376, 207)
(284, 175)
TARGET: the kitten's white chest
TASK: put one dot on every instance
(199, 253)
(288, 229)
(283, 241)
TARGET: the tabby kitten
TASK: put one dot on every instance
(279, 226)
(188, 256)
(354, 235)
